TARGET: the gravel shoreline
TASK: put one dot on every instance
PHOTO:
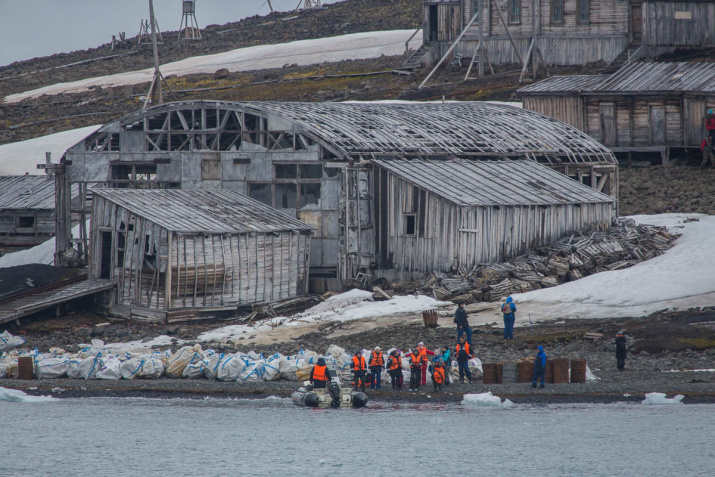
(697, 387)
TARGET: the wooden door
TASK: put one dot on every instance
(608, 124)
(657, 125)
(694, 119)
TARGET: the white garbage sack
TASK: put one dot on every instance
(195, 370)
(111, 369)
(144, 368)
(212, 365)
(290, 368)
(230, 368)
(250, 372)
(271, 369)
(7, 341)
(52, 368)
(176, 363)
(95, 350)
(73, 368)
(90, 367)
(475, 367)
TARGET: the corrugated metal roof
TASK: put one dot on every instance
(195, 211)
(27, 192)
(565, 84)
(484, 183)
(655, 77)
(417, 129)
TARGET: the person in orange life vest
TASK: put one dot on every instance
(425, 360)
(415, 358)
(319, 376)
(377, 364)
(438, 375)
(464, 354)
(394, 365)
(359, 370)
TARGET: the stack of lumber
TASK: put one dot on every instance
(573, 257)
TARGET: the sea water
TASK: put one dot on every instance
(136, 437)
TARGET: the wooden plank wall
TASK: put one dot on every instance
(455, 236)
(568, 110)
(220, 270)
(207, 270)
(684, 126)
(661, 28)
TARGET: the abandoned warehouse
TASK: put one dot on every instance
(345, 170)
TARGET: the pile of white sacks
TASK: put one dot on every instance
(192, 362)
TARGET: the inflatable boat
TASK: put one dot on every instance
(334, 396)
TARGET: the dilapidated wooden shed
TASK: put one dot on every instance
(27, 205)
(175, 252)
(451, 215)
(649, 107)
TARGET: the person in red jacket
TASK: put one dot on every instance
(424, 352)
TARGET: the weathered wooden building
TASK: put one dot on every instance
(442, 215)
(173, 252)
(644, 107)
(316, 160)
(565, 32)
(27, 205)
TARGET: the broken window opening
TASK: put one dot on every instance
(309, 194)
(285, 196)
(132, 176)
(409, 224)
(26, 221)
(286, 171)
(261, 192)
(311, 171)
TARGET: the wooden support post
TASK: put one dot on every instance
(480, 67)
(543, 62)
(471, 63)
(456, 42)
(506, 27)
(526, 63)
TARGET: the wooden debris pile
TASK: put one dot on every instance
(571, 258)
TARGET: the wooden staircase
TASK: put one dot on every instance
(414, 61)
(629, 54)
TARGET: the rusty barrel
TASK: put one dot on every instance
(489, 373)
(508, 374)
(524, 371)
(560, 370)
(578, 370)
(25, 368)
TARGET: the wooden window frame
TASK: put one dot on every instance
(406, 232)
(515, 6)
(579, 11)
(554, 21)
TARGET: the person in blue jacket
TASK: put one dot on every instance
(447, 365)
(508, 309)
(539, 367)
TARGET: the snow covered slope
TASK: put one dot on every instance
(19, 158)
(303, 52)
(682, 278)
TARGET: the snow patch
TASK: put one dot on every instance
(43, 253)
(13, 395)
(680, 279)
(659, 398)
(20, 158)
(355, 46)
(485, 400)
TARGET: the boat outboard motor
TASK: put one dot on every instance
(334, 389)
(311, 400)
(359, 400)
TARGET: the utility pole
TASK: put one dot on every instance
(156, 82)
